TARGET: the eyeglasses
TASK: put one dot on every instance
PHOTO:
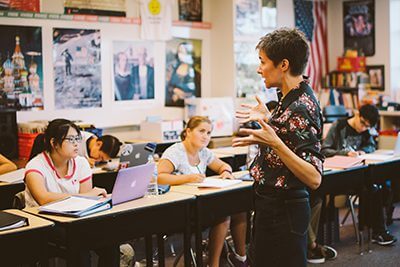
(364, 122)
(74, 139)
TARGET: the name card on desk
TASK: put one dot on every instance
(342, 162)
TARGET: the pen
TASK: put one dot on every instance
(197, 167)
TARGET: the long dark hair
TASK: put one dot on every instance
(110, 146)
(56, 130)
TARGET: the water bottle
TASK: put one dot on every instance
(152, 189)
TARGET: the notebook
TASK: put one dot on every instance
(13, 177)
(381, 155)
(342, 162)
(137, 154)
(76, 206)
(11, 221)
(131, 183)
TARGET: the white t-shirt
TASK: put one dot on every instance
(178, 157)
(78, 172)
(156, 16)
(83, 151)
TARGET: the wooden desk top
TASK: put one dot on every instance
(194, 190)
(231, 150)
(35, 222)
(144, 202)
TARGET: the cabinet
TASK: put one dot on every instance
(389, 121)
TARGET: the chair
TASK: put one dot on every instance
(333, 113)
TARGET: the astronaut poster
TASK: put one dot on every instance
(77, 68)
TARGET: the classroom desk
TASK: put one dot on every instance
(213, 204)
(168, 213)
(25, 245)
(7, 193)
(341, 182)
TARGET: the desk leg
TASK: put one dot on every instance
(160, 246)
(186, 236)
(199, 251)
(73, 258)
(149, 250)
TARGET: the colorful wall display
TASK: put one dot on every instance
(21, 68)
(183, 71)
(359, 26)
(190, 10)
(96, 7)
(77, 68)
(133, 70)
(22, 5)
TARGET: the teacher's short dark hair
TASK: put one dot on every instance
(286, 43)
(370, 113)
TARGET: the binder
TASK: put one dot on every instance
(76, 206)
(11, 221)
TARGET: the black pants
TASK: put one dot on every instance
(280, 235)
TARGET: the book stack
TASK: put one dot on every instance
(76, 206)
(11, 221)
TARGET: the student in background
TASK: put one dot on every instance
(97, 149)
(6, 165)
(58, 172)
(186, 162)
(352, 137)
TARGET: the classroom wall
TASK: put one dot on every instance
(382, 37)
(112, 114)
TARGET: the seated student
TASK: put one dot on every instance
(6, 165)
(186, 162)
(58, 172)
(97, 149)
(317, 253)
(351, 137)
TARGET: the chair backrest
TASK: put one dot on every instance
(19, 200)
(333, 113)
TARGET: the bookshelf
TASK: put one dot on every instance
(340, 88)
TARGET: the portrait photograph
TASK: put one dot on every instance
(133, 70)
(376, 75)
(183, 71)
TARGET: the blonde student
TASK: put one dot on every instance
(58, 172)
(186, 162)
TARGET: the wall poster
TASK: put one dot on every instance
(183, 71)
(21, 67)
(359, 26)
(77, 68)
(133, 70)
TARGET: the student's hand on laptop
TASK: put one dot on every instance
(196, 178)
(96, 191)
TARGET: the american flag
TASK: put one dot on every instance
(311, 18)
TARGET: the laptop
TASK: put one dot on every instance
(131, 183)
(383, 154)
(137, 154)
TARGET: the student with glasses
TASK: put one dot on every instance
(58, 172)
(352, 137)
